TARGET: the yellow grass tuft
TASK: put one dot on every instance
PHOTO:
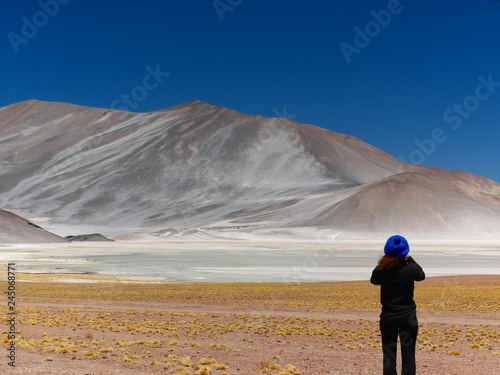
(203, 370)
(106, 350)
(186, 361)
(293, 370)
(206, 361)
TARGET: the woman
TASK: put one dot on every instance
(396, 273)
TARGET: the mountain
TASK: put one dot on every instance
(15, 229)
(196, 166)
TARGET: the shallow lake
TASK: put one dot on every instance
(269, 265)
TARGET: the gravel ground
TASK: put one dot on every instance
(216, 329)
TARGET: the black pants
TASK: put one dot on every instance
(406, 328)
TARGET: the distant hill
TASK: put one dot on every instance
(93, 237)
(15, 229)
(207, 168)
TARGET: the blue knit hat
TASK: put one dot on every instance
(396, 246)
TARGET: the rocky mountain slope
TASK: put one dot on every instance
(15, 229)
(206, 168)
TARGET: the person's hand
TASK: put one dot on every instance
(407, 256)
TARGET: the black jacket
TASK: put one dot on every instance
(396, 288)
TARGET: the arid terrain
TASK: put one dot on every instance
(102, 327)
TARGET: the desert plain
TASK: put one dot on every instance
(276, 307)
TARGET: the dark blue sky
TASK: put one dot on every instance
(419, 79)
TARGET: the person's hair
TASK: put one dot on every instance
(390, 263)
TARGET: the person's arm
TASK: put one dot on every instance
(376, 278)
(417, 271)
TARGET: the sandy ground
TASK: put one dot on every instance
(322, 328)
